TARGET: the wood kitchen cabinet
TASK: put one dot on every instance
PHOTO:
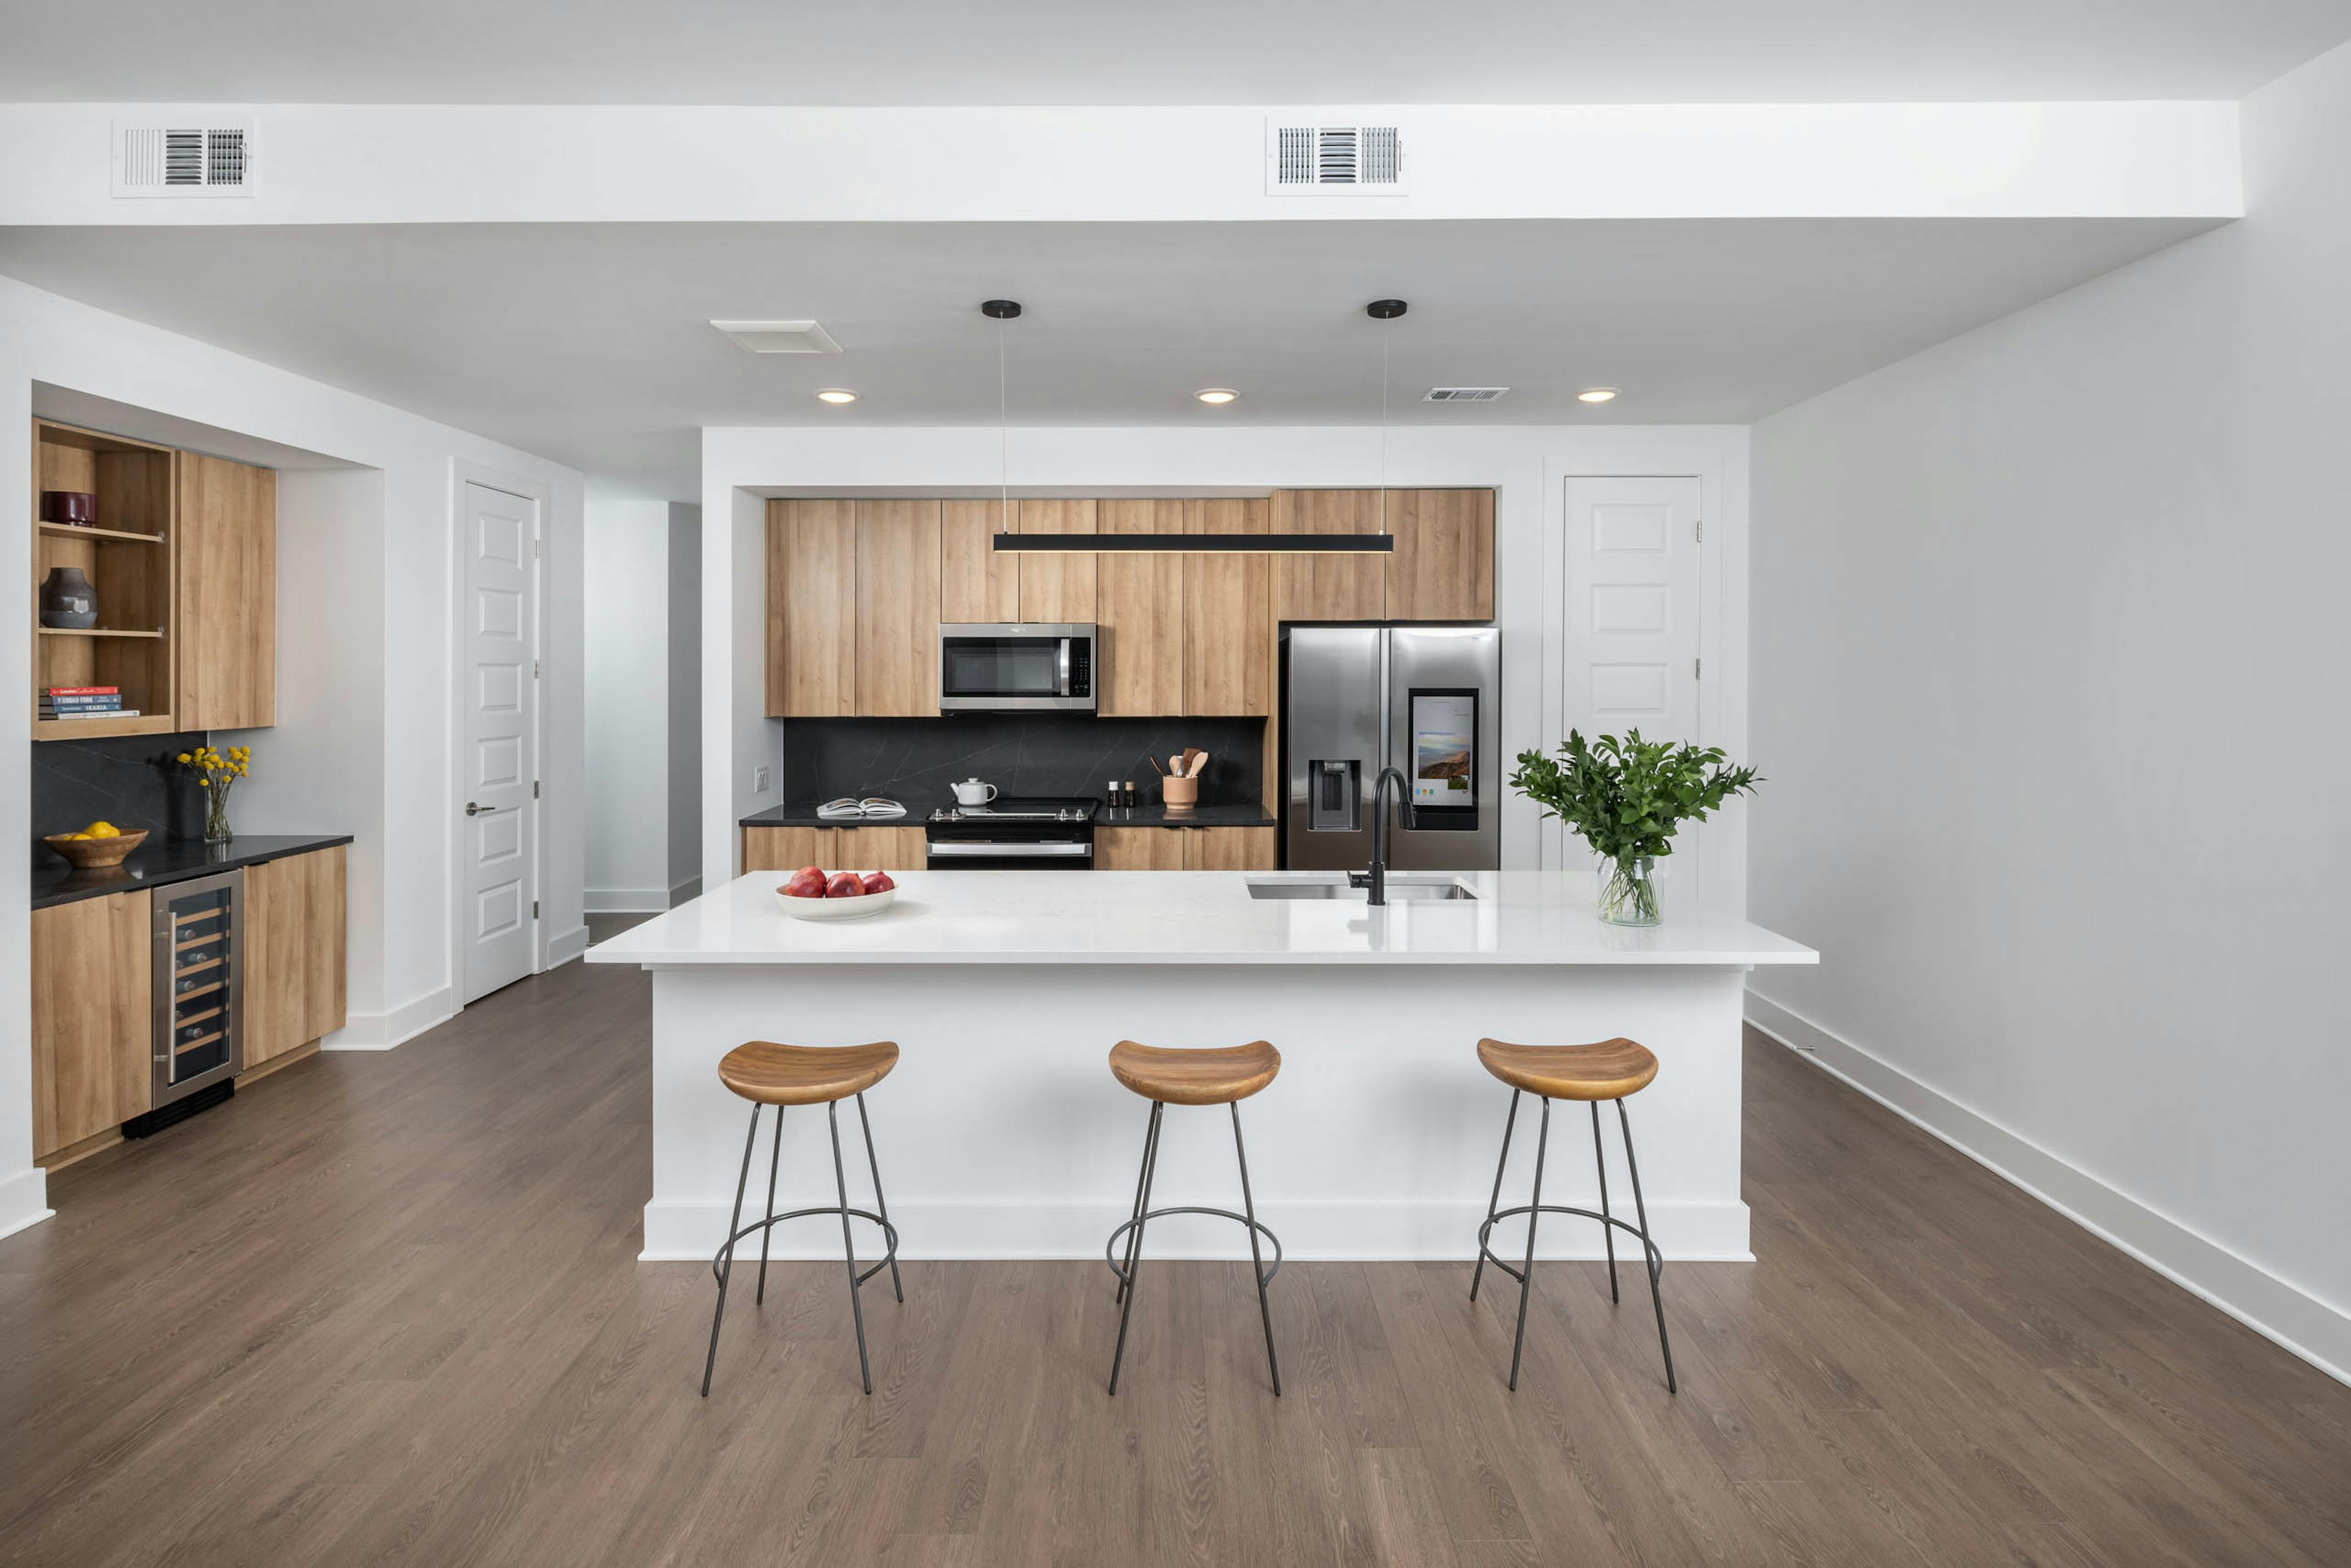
(897, 608)
(1229, 649)
(1140, 613)
(294, 953)
(1443, 566)
(876, 849)
(93, 1021)
(811, 608)
(1139, 849)
(1329, 587)
(976, 583)
(787, 849)
(225, 570)
(1057, 587)
(1227, 849)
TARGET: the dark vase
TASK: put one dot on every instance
(67, 600)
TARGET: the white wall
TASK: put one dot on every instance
(627, 604)
(409, 855)
(2050, 645)
(684, 813)
(1527, 465)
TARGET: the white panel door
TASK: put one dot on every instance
(498, 918)
(1631, 647)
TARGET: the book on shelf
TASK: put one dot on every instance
(93, 713)
(82, 691)
(80, 704)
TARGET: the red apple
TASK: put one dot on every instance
(878, 881)
(806, 883)
(844, 884)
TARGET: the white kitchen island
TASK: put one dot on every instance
(1002, 1134)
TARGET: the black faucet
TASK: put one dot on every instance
(1377, 878)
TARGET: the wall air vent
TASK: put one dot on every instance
(201, 155)
(1463, 394)
(1310, 156)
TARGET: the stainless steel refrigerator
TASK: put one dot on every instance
(1426, 700)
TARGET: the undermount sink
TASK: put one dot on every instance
(1401, 889)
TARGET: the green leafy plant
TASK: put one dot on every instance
(1625, 798)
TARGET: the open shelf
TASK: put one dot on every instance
(143, 723)
(92, 632)
(128, 559)
(76, 531)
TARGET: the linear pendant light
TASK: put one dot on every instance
(1381, 543)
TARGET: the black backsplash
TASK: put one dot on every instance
(916, 759)
(130, 780)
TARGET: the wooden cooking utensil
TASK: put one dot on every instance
(1155, 762)
(1199, 764)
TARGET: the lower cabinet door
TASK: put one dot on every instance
(1139, 849)
(879, 849)
(93, 1018)
(294, 953)
(788, 849)
(1227, 849)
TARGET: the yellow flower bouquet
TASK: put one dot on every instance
(214, 772)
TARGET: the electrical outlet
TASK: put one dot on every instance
(758, 782)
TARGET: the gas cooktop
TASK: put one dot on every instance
(1011, 809)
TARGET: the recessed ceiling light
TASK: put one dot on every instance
(1216, 394)
(836, 395)
(1595, 394)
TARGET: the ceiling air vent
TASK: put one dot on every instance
(1463, 394)
(199, 156)
(1309, 157)
(781, 337)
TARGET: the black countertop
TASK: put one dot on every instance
(158, 864)
(1248, 814)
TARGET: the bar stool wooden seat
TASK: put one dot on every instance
(766, 1073)
(1609, 1070)
(1221, 1076)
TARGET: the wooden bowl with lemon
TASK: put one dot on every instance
(100, 844)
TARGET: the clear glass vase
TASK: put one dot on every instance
(1628, 892)
(216, 828)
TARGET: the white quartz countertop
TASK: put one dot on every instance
(1185, 917)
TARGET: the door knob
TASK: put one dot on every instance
(474, 810)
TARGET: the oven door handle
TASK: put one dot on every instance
(969, 849)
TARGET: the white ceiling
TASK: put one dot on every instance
(589, 344)
(942, 52)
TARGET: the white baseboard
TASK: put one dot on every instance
(24, 1200)
(690, 888)
(566, 945)
(624, 900)
(2313, 1329)
(382, 1031)
(1685, 1232)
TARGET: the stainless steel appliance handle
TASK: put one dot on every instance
(1065, 666)
(972, 849)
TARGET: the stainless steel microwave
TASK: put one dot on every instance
(1011, 666)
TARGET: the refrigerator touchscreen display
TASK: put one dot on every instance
(1445, 747)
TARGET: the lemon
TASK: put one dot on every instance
(77, 835)
(102, 829)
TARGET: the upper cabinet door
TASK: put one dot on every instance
(1142, 613)
(977, 583)
(1057, 587)
(811, 608)
(898, 608)
(225, 567)
(1443, 568)
(1329, 587)
(1227, 614)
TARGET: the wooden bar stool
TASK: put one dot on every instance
(1608, 1071)
(1220, 1077)
(766, 1073)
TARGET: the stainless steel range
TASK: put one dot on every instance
(1041, 833)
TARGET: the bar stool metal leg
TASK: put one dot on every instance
(1655, 1259)
(875, 1165)
(1150, 1150)
(1257, 1258)
(774, 1152)
(1494, 1202)
(733, 1223)
(849, 1248)
(1607, 1231)
(1134, 1245)
(1527, 1281)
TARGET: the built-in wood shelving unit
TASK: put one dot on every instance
(127, 559)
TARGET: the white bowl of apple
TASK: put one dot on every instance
(812, 894)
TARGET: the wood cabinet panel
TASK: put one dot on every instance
(1139, 849)
(93, 1027)
(294, 953)
(1229, 651)
(1227, 849)
(1141, 600)
(975, 582)
(1329, 587)
(876, 849)
(1443, 568)
(897, 608)
(1057, 587)
(788, 849)
(225, 564)
(811, 608)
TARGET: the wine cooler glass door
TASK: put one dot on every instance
(199, 965)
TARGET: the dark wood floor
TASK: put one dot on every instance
(383, 1309)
